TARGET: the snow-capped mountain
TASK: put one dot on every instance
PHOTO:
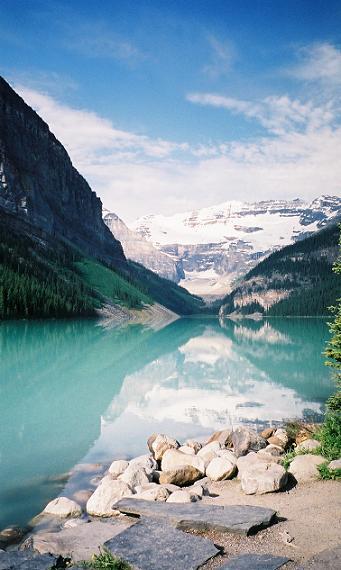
(138, 249)
(215, 245)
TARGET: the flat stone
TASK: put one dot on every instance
(78, 543)
(26, 560)
(255, 562)
(329, 559)
(150, 546)
(236, 518)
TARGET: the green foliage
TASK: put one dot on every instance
(330, 436)
(36, 281)
(287, 458)
(106, 561)
(326, 473)
(111, 285)
(166, 292)
(301, 271)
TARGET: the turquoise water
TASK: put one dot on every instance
(75, 391)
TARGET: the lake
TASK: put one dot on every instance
(79, 392)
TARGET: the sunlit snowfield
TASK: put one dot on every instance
(76, 391)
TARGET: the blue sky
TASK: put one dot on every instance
(168, 106)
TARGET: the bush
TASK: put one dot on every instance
(106, 561)
(326, 473)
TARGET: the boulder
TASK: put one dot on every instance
(263, 478)
(275, 441)
(304, 467)
(187, 449)
(275, 450)
(306, 431)
(194, 444)
(118, 467)
(174, 459)
(171, 487)
(182, 476)
(228, 454)
(160, 444)
(135, 475)
(107, 493)
(245, 439)
(220, 468)
(63, 507)
(246, 462)
(158, 493)
(308, 445)
(267, 432)
(283, 437)
(209, 451)
(223, 437)
(181, 496)
(335, 464)
(146, 462)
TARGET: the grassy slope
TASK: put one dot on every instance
(44, 278)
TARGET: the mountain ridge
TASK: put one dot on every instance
(218, 244)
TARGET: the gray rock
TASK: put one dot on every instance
(63, 507)
(174, 459)
(235, 518)
(135, 476)
(335, 464)
(26, 560)
(308, 445)
(181, 477)
(329, 559)
(109, 491)
(255, 562)
(146, 462)
(118, 467)
(245, 439)
(263, 478)
(79, 543)
(160, 444)
(304, 467)
(150, 546)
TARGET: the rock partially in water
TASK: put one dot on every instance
(63, 507)
(10, 535)
(107, 493)
(118, 467)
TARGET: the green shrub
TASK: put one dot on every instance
(326, 473)
(330, 436)
(106, 561)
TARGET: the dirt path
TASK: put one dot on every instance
(311, 514)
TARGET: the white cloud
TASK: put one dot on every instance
(222, 57)
(276, 114)
(136, 175)
(318, 62)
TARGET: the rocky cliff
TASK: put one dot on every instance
(138, 249)
(39, 187)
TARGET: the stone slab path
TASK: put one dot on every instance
(329, 559)
(25, 560)
(195, 516)
(255, 562)
(149, 545)
(81, 542)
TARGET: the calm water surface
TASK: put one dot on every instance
(78, 392)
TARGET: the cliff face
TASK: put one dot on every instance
(138, 249)
(41, 189)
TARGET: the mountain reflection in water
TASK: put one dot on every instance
(74, 391)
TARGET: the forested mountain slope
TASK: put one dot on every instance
(296, 280)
